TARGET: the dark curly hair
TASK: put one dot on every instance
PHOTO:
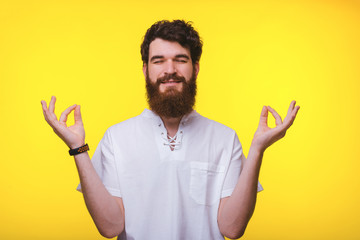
(175, 31)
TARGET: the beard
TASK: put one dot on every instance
(171, 103)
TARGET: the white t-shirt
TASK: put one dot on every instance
(167, 194)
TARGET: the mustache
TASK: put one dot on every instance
(172, 76)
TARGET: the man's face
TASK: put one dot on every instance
(170, 79)
(168, 59)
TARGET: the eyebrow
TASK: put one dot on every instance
(156, 57)
(161, 56)
(182, 56)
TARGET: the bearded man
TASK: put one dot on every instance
(169, 173)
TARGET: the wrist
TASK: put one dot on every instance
(79, 150)
(255, 156)
(76, 145)
(257, 148)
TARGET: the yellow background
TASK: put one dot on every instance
(255, 53)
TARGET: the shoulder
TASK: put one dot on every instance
(127, 126)
(212, 126)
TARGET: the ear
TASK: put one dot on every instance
(144, 69)
(197, 68)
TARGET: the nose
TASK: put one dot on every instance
(170, 67)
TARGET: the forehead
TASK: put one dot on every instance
(166, 48)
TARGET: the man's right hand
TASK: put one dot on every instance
(73, 136)
(106, 210)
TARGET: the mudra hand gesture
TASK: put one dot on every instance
(73, 136)
(264, 135)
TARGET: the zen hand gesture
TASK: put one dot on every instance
(73, 136)
(265, 136)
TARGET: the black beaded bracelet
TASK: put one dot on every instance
(81, 149)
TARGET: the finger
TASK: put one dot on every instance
(44, 105)
(64, 114)
(264, 115)
(289, 112)
(77, 115)
(48, 116)
(50, 113)
(294, 113)
(291, 117)
(278, 120)
(45, 110)
(52, 104)
(291, 107)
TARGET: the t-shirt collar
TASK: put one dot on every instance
(150, 114)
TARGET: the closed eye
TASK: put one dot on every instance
(181, 60)
(158, 61)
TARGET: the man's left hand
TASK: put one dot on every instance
(266, 136)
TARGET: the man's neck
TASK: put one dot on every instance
(171, 125)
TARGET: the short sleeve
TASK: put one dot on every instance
(234, 170)
(103, 161)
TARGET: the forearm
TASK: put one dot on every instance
(239, 207)
(106, 212)
(235, 211)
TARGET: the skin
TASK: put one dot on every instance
(235, 211)
(108, 212)
(166, 58)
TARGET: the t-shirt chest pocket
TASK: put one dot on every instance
(205, 182)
